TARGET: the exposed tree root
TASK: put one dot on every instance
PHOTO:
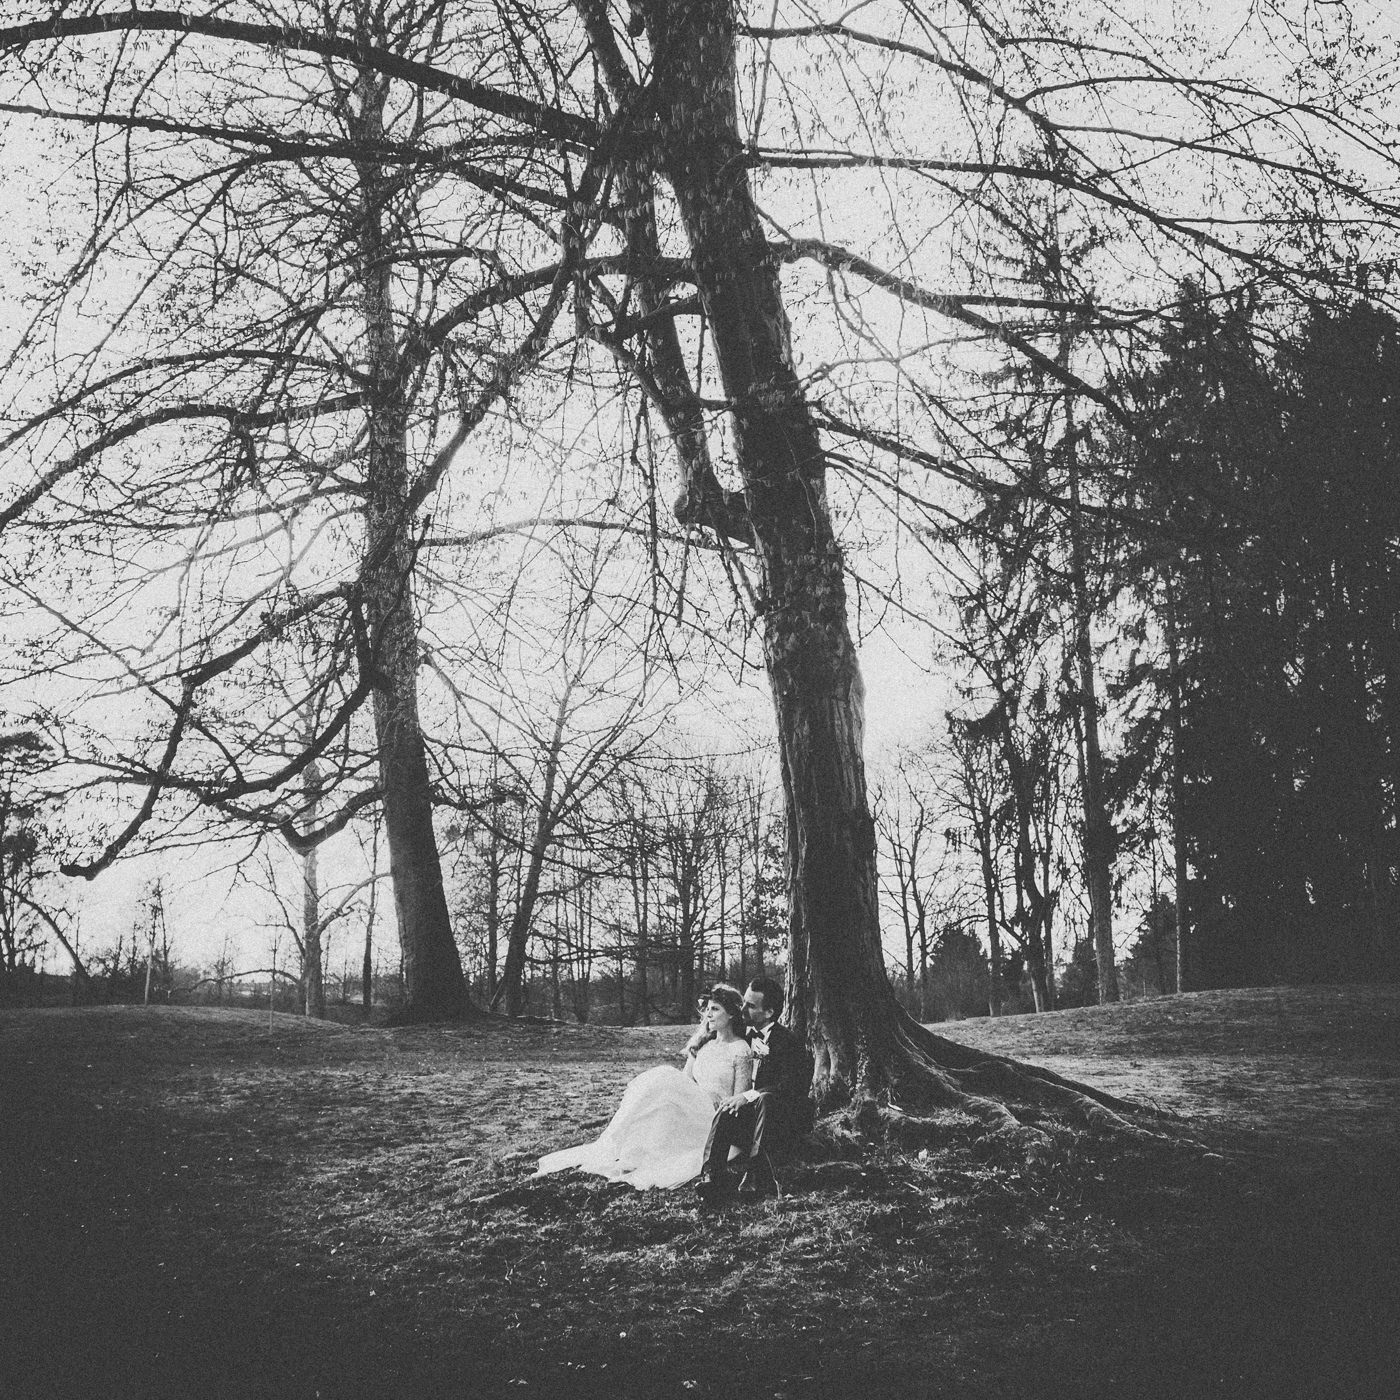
(907, 1086)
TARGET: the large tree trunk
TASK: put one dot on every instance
(840, 996)
(434, 984)
(433, 979)
(840, 999)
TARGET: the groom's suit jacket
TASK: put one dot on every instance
(783, 1076)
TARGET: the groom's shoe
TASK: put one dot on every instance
(758, 1183)
(710, 1190)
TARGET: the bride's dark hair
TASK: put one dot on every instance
(732, 999)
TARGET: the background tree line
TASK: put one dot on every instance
(1242, 565)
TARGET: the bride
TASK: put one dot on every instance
(657, 1136)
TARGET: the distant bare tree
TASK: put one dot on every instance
(902, 826)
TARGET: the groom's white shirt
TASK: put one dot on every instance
(752, 1095)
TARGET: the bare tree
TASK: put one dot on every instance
(907, 807)
(20, 840)
(555, 723)
(688, 812)
(301, 400)
(975, 806)
(638, 144)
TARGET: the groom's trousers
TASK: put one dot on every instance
(747, 1130)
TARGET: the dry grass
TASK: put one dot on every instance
(195, 1204)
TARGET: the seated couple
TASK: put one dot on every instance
(741, 1098)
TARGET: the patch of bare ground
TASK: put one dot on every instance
(1294, 1071)
(202, 1203)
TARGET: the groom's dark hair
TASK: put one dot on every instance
(771, 993)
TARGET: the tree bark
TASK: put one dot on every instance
(313, 983)
(493, 900)
(685, 846)
(923, 970)
(1185, 969)
(641, 896)
(434, 984)
(989, 895)
(1031, 920)
(512, 984)
(367, 964)
(908, 945)
(1098, 828)
(156, 914)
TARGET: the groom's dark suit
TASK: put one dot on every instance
(774, 1117)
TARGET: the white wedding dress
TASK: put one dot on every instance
(657, 1136)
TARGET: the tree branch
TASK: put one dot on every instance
(537, 116)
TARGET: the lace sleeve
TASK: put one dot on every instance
(743, 1070)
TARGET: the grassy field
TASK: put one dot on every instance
(198, 1203)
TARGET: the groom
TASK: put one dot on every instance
(765, 1119)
